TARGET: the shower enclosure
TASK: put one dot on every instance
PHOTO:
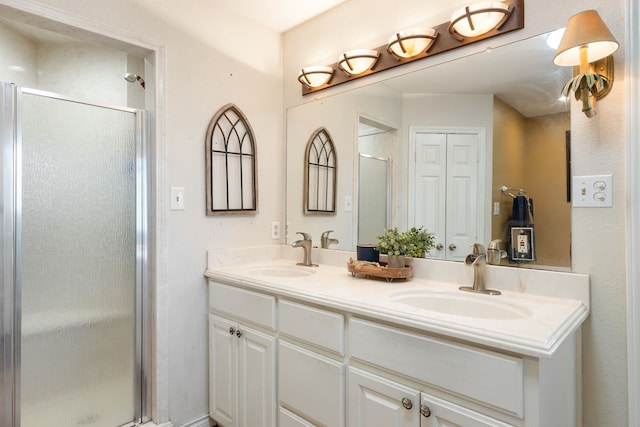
(74, 261)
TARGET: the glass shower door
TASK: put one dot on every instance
(77, 263)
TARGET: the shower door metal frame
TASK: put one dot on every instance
(11, 217)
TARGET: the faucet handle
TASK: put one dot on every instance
(305, 236)
(477, 249)
(325, 235)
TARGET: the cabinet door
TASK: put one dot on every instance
(223, 349)
(376, 401)
(311, 385)
(256, 369)
(437, 412)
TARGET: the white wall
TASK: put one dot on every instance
(598, 147)
(207, 66)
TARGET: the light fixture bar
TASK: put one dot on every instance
(443, 42)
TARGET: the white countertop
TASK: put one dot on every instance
(539, 334)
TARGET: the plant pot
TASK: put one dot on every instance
(395, 261)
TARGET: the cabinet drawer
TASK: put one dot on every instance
(311, 385)
(289, 419)
(243, 304)
(485, 376)
(319, 327)
(444, 413)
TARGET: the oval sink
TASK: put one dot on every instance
(280, 271)
(476, 306)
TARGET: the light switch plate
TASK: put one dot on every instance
(347, 204)
(177, 198)
(593, 191)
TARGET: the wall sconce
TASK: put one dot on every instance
(587, 43)
(478, 18)
(315, 76)
(411, 42)
(358, 61)
(417, 43)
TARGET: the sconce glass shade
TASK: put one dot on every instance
(357, 61)
(585, 29)
(315, 75)
(411, 42)
(478, 18)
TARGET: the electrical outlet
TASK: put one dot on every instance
(275, 230)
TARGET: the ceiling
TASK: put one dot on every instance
(279, 15)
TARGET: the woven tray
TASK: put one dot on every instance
(380, 270)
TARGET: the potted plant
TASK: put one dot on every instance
(414, 242)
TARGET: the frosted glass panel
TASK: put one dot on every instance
(78, 264)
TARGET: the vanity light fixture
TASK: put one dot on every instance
(588, 46)
(414, 44)
(411, 42)
(358, 61)
(315, 75)
(477, 19)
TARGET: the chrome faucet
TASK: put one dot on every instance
(305, 244)
(478, 259)
(325, 241)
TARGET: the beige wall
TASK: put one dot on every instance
(598, 235)
(530, 154)
(546, 183)
(509, 162)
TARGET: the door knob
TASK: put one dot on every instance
(238, 333)
(232, 330)
(406, 402)
(452, 247)
(425, 411)
(439, 246)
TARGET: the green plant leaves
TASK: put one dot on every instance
(413, 242)
(592, 81)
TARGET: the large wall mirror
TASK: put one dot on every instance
(504, 102)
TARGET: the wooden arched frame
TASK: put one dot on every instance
(320, 175)
(230, 151)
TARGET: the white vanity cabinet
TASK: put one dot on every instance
(242, 359)
(288, 360)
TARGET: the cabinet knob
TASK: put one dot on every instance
(439, 246)
(238, 333)
(452, 247)
(406, 402)
(425, 411)
(232, 330)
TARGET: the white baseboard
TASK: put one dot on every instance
(152, 424)
(203, 421)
